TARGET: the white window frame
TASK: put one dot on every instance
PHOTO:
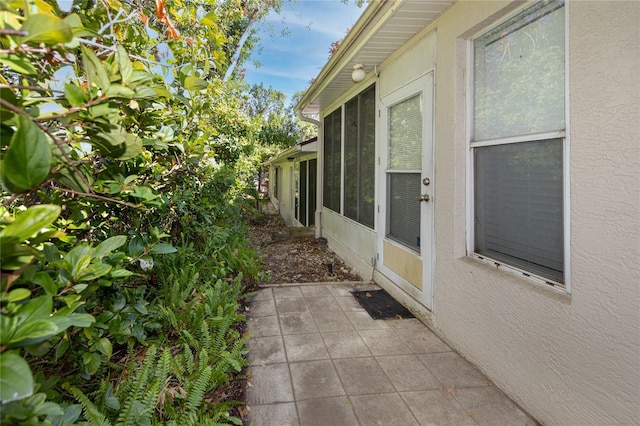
(471, 145)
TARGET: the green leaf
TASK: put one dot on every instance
(16, 380)
(195, 83)
(18, 63)
(119, 91)
(124, 63)
(47, 29)
(27, 161)
(30, 221)
(95, 271)
(144, 192)
(18, 294)
(8, 96)
(120, 273)
(105, 347)
(133, 146)
(96, 72)
(163, 248)
(72, 320)
(109, 245)
(91, 362)
(32, 332)
(78, 260)
(75, 95)
(45, 281)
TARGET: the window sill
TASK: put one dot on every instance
(539, 283)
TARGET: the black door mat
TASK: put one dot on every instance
(380, 305)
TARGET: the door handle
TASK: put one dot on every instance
(423, 197)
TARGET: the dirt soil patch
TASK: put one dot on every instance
(299, 259)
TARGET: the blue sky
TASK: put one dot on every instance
(290, 61)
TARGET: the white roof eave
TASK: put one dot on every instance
(384, 27)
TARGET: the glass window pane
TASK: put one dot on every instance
(405, 135)
(404, 208)
(519, 205)
(519, 72)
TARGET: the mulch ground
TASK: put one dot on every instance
(297, 260)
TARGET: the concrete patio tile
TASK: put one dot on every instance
(490, 406)
(384, 342)
(316, 290)
(335, 411)
(385, 409)
(266, 350)
(291, 306)
(305, 347)
(349, 304)
(405, 323)
(422, 341)
(284, 414)
(263, 326)
(286, 292)
(436, 407)
(262, 308)
(269, 384)
(366, 287)
(363, 321)
(262, 294)
(332, 321)
(315, 379)
(362, 376)
(453, 371)
(407, 373)
(298, 323)
(323, 304)
(341, 290)
(345, 344)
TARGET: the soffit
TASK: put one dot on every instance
(383, 28)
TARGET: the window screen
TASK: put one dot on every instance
(332, 160)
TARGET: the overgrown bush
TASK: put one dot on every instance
(125, 159)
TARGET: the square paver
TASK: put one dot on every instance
(349, 304)
(315, 291)
(490, 406)
(284, 414)
(385, 409)
(335, 411)
(362, 376)
(286, 292)
(263, 326)
(453, 371)
(315, 379)
(262, 294)
(323, 304)
(363, 321)
(305, 347)
(262, 308)
(298, 323)
(384, 342)
(295, 305)
(341, 290)
(332, 321)
(266, 350)
(269, 384)
(407, 373)
(345, 344)
(436, 407)
(422, 340)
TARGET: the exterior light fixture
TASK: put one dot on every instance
(358, 73)
(290, 159)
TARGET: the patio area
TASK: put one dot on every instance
(318, 358)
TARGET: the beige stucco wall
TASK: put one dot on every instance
(567, 359)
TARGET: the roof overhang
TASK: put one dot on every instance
(298, 150)
(384, 27)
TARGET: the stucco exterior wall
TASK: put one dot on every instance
(566, 358)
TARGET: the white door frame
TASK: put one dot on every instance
(424, 86)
